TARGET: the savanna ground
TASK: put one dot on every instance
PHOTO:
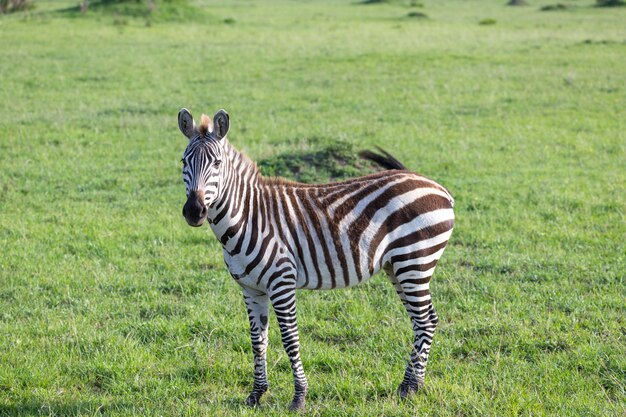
(110, 304)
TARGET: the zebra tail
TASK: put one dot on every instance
(387, 161)
(384, 159)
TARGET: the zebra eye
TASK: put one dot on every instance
(217, 162)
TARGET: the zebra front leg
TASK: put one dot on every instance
(257, 304)
(283, 299)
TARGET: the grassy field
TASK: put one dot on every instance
(110, 304)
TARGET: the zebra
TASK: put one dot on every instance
(278, 236)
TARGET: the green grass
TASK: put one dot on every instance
(111, 304)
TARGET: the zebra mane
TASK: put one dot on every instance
(205, 125)
(248, 165)
(241, 159)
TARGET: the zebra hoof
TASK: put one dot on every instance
(405, 390)
(252, 400)
(297, 404)
(255, 396)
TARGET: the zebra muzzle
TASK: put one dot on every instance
(194, 210)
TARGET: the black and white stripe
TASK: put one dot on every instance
(278, 236)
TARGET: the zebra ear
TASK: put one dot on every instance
(221, 124)
(185, 123)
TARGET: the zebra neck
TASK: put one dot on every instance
(233, 211)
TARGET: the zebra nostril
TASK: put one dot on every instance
(204, 211)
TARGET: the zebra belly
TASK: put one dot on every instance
(330, 282)
(307, 273)
(334, 269)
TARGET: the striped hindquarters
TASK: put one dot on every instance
(344, 233)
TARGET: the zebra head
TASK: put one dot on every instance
(202, 161)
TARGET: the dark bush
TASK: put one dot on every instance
(317, 160)
(124, 11)
(10, 6)
(417, 15)
(553, 7)
(610, 3)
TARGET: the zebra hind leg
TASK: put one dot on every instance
(412, 285)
